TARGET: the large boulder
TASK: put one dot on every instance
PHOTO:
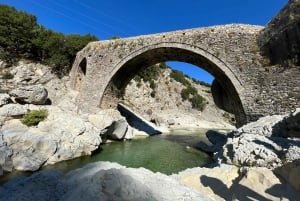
(265, 126)
(63, 136)
(5, 155)
(4, 99)
(76, 136)
(291, 173)
(274, 126)
(99, 181)
(31, 148)
(227, 182)
(104, 118)
(13, 110)
(212, 182)
(130, 134)
(290, 125)
(117, 130)
(31, 73)
(263, 184)
(257, 150)
(34, 94)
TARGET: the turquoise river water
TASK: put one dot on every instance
(166, 153)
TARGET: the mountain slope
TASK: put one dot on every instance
(163, 103)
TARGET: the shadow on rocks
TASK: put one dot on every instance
(236, 192)
(216, 139)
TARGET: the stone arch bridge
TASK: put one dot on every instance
(242, 85)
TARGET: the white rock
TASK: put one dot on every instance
(34, 94)
(77, 137)
(99, 181)
(263, 184)
(4, 99)
(117, 130)
(104, 118)
(129, 133)
(250, 150)
(5, 158)
(213, 182)
(228, 182)
(62, 136)
(31, 148)
(264, 126)
(13, 110)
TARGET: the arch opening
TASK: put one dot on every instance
(224, 92)
(81, 73)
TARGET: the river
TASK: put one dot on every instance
(165, 153)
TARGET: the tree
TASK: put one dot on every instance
(21, 36)
(16, 30)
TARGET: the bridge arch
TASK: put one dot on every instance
(227, 89)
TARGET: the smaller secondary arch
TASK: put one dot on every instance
(81, 73)
(128, 67)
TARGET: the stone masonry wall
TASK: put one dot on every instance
(228, 52)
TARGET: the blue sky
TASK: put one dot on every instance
(138, 17)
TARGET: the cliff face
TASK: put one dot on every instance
(280, 40)
(167, 105)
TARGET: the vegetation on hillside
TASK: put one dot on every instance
(189, 93)
(22, 37)
(150, 74)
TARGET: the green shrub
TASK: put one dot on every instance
(190, 93)
(114, 37)
(198, 102)
(179, 77)
(254, 48)
(185, 94)
(150, 73)
(152, 84)
(34, 117)
(153, 94)
(5, 56)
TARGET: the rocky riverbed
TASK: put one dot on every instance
(259, 161)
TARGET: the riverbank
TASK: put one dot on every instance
(111, 181)
(270, 143)
(274, 176)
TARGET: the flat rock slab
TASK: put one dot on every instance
(99, 181)
(35, 94)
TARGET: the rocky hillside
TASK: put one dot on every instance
(26, 72)
(280, 39)
(162, 100)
